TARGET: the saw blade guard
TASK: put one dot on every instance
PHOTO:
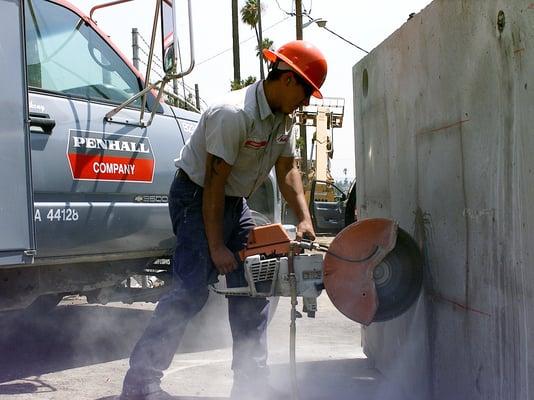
(373, 271)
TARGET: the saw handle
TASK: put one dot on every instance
(305, 244)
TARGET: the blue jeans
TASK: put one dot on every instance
(193, 270)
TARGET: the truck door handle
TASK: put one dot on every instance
(42, 121)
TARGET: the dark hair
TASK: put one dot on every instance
(275, 74)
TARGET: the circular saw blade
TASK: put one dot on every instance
(372, 271)
(349, 264)
(398, 278)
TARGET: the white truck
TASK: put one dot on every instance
(84, 201)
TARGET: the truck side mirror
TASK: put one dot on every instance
(171, 30)
(169, 62)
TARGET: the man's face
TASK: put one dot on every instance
(297, 93)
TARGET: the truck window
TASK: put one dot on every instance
(66, 56)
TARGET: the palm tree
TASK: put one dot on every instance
(266, 44)
(236, 85)
(235, 42)
(251, 15)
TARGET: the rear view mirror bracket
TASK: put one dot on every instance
(169, 75)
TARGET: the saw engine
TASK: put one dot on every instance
(270, 276)
(372, 270)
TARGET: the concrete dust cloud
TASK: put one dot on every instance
(76, 334)
(81, 351)
(330, 360)
(409, 352)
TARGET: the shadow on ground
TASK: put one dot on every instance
(349, 379)
(80, 335)
(174, 397)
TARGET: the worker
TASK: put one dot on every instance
(228, 156)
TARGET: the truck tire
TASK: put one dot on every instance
(398, 278)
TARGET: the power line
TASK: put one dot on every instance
(336, 34)
(346, 40)
(307, 14)
(292, 13)
(284, 11)
(243, 41)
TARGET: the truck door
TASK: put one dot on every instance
(327, 207)
(16, 207)
(100, 187)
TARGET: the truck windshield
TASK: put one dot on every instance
(67, 56)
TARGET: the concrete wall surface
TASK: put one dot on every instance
(444, 125)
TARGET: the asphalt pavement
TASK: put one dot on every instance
(81, 351)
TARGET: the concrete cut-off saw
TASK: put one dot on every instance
(372, 271)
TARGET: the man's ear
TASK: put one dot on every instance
(287, 77)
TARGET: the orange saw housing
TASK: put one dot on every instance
(267, 239)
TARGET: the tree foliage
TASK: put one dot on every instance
(251, 16)
(243, 83)
(266, 44)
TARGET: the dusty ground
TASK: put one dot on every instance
(81, 351)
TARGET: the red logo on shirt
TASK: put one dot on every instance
(253, 144)
(282, 138)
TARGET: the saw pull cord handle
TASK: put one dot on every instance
(293, 325)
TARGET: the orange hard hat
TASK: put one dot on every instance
(303, 58)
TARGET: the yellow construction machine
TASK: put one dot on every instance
(332, 208)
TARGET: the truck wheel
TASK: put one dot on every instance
(398, 278)
(44, 303)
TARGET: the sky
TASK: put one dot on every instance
(364, 23)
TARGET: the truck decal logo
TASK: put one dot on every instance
(188, 127)
(97, 156)
(151, 198)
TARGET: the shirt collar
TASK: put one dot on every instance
(264, 108)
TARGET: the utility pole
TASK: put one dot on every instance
(197, 97)
(260, 40)
(298, 14)
(302, 127)
(135, 48)
(235, 42)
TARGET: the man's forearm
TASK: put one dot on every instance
(293, 192)
(212, 213)
(217, 172)
(213, 200)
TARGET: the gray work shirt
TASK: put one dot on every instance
(245, 133)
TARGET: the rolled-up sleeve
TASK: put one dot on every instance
(290, 147)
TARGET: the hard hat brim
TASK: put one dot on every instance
(272, 56)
